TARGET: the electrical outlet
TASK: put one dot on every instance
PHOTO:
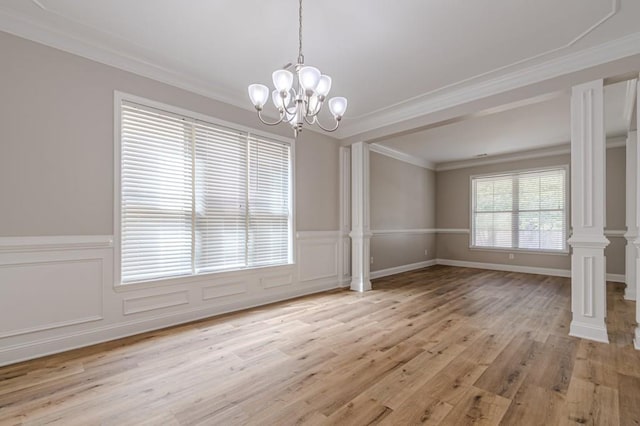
(426, 252)
(372, 260)
(511, 256)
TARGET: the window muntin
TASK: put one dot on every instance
(524, 210)
(198, 197)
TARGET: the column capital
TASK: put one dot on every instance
(588, 241)
(360, 234)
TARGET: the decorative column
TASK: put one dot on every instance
(636, 243)
(360, 225)
(588, 284)
(631, 252)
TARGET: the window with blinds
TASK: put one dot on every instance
(524, 210)
(198, 197)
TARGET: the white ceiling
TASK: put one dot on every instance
(392, 60)
(541, 123)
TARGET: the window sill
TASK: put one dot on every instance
(521, 251)
(200, 278)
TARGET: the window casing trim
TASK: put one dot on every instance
(118, 99)
(567, 205)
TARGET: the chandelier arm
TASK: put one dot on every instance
(313, 119)
(289, 120)
(325, 129)
(270, 123)
(318, 108)
(286, 108)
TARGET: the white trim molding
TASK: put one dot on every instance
(566, 273)
(552, 151)
(400, 269)
(453, 231)
(46, 243)
(415, 231)
(504, 267)
(615, 278)
(401, 156)
(419, 231)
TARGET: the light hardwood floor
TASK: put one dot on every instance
(442, 345)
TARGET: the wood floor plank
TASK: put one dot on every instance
(533, 405)
(478, 407)
(629, 399)
(593, 404)
(441, 345)
(504, 376)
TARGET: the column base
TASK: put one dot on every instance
(593, 332)
(630, 292)
(636, 339)
(360, 285)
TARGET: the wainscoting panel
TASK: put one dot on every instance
(224, 289)
(276, 280)
(41, 292)
(318, 257)
(152, 302)
(58, 293)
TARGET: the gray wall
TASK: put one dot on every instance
(452, 211)
(56, 143)
(616, 209)
(402, 197)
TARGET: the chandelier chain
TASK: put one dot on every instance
(300, 55)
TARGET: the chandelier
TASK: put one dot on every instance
(298, 96)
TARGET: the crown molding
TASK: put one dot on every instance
(401, 156)
(57, 38)
(614, 9)
(458, 93)
(567, 64)
(615, 142)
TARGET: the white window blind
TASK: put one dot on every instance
(199, 197)
(221, 198)
(156, 201)
(268, 202)
(524, 210)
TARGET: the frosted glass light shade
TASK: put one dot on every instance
(324, 85)
(338, 106)
(282, 80)
(277, 99)
(309, 77)
(258, 93)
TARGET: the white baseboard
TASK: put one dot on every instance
(68, 341)
(508, 268)
(588, 331)
(404, 268)
(616, 278)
